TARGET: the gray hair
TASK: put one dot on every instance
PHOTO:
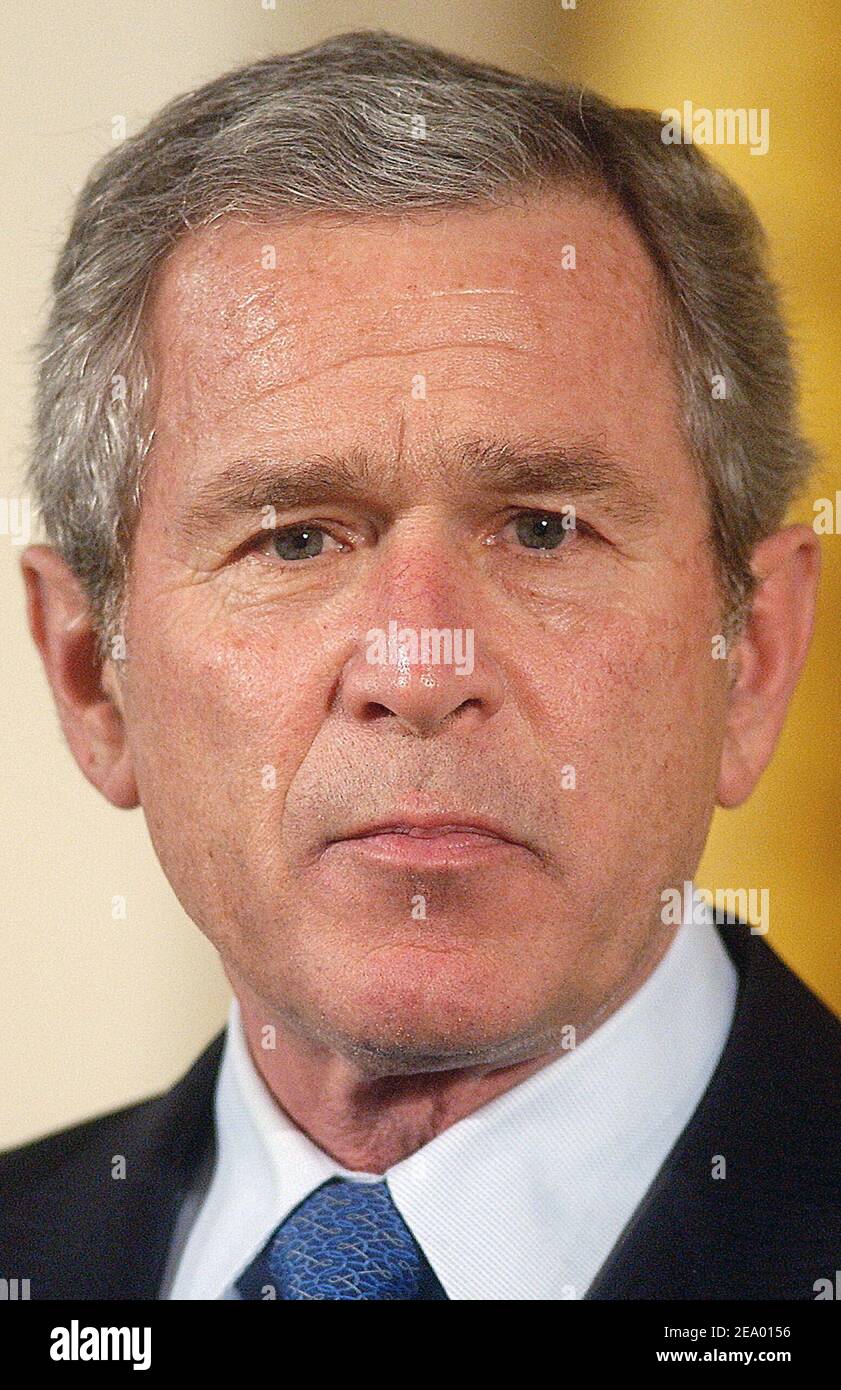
(335, 128)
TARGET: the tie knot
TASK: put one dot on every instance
(347, 1240)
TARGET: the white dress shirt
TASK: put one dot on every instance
(522, 1199)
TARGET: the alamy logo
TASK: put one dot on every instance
(828, 1288)
(16, 519)
(733, 906)
(725, 125)
(13, 1290)
(82, 1343)
(426, 646)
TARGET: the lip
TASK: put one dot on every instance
(434, 841)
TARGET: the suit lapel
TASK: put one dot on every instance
(761, 1225)
(95, 1235)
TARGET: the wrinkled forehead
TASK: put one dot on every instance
(318, 287)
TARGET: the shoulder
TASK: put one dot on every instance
(776, 1092)
(38, 1161)
(144, 1131)
(745, 1206)
(781, 1026)
(71, 1202)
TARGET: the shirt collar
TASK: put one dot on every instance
(525, 1197)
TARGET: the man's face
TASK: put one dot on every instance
(583, 732)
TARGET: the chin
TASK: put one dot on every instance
(422, 1054)
(409, 1010)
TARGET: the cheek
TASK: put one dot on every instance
(633, 700)
(219, 725)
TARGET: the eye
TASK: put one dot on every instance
(542, 530)
(303, 541)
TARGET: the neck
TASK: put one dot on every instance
(368, 1123)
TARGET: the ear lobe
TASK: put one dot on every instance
(768, 657)
(85, 690)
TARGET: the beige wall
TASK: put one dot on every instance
(95, 1012)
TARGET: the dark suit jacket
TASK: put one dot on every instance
(769, 1229)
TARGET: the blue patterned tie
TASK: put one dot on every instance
(346, 1241)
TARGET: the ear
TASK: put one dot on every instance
(768, 657)
(86, 690)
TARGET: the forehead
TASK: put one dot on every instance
(231, 247)
(233, 285)
(541, 314)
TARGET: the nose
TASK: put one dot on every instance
(419, 667)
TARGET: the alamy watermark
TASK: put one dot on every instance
(723, 125)
(734, 906)
(79, 1342)
(16, 519)
(426, 646)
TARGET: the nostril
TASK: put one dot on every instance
(373, 710)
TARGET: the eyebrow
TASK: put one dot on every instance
(584, 469)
